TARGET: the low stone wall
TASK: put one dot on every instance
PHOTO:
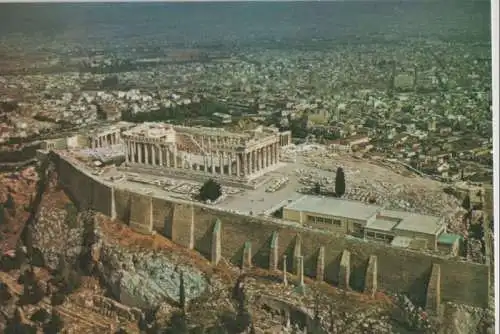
(347, 262)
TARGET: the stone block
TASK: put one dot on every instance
(433, 301)
(345, 270)
(320, 265)
(274, 250)
(216, 246)
(371, 276)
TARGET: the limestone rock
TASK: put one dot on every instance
(145, 279)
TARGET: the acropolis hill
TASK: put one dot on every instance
(353, 245)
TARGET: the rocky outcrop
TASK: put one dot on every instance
(52, 237)
(139, 278)
(461, 319)
(146, 279)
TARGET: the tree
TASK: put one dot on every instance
(5, 294)
(466, 204)
(177, 324)
(210, 190)
(71, 215)
(41, 316)
(340, 182)
(28, 242)
(182, 292)
(33, 292)
(67, 279)
(10, 203)
(2, 214)
(20, 257)
(317, 188)
(55, 325)
(17, 325)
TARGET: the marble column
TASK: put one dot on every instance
(212, 165)
(238, 167)
(277, 153)
(248, 169)
(169, 157)
(205, 163)
(153, 155)
(261, 150)
(161, 159)
(257, 156)
(253, 159)
(140, 151)
(127, 153)
(174, 156)
(132, 151)
(130, 147)
(229, 164)
(221, 163)
(146, 153)
(245, 163)
(267, 156)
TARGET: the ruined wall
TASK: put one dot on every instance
(141, 213)
(181, 226)
(101, 197)
(122, 205)
(162, 216)
(78, 186)
(191, 225)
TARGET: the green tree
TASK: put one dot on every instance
(28, 242)
(5, 294)
(2, 214)
(55, 324)
(20, 257)
(10, 203)
(66, 278)
(15, 325)
(466, 204)
(340, 182)
(177, 324)
(210, 190)
(33, 291)
(317, 188)
(71, 215)
(182, 292)
(41, 316)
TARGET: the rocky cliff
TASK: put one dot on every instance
(136, 277)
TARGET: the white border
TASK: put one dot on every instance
(495, 58)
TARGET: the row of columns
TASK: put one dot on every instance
(105, 140)
(260, 158)
(222, 163)
(285, 138)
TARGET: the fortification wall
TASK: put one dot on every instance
(192, 226)
(101, 197)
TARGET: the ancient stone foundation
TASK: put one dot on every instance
(243, 240)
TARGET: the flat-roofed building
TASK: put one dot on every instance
(410, 225)
(338, 215)
(372, 222)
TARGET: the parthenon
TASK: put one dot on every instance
(202, 151)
